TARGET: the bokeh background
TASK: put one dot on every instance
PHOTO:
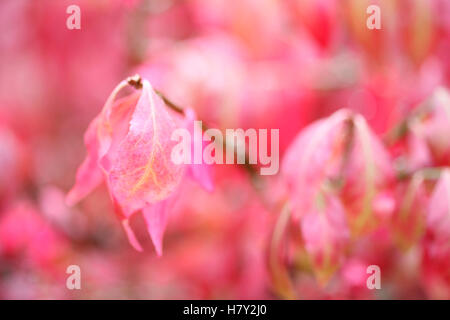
(239, 64)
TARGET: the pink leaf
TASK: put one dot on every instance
(438, 218)
(141, 171)
(156, 219)
(343, 152)
(89, 174)
(325, 232)
(131, 236)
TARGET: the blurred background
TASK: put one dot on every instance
(239, 64)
